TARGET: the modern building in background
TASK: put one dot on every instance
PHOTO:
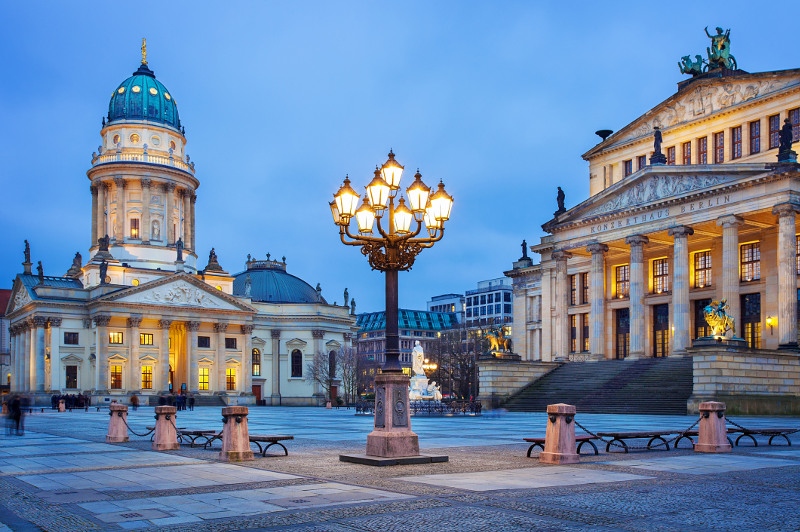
(490, 303)
(448, 303)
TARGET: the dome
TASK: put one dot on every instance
(143, 97)
(269, 283)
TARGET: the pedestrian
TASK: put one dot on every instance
(134, 402)
(191, 402)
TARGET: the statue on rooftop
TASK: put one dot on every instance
(179, 249)
(40, 272)
(353, 306)
(103, 271)
(248, 286)
(213, 262)
(102, 243)
(688, 66)
(719, 53)
(785, 152)
(560, 199)
(27, 252)
(524, 250)
(319, 290)
(657, 157)
(346, 298)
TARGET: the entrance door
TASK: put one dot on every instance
(660, 330)
(751, 320)
(257, 392)
(623, 336)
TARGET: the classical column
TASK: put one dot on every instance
(681, 339)
(93, 235)
(12, 334)
(102, 188)
(317, 334)
(276, 367)
(562, 303)
(134, 375)
(169, 213)
(638, 334)
(145, 229)
(597, 295)
(193, 382)
(787, 276)
(730, 265)
(193, 200)
(27, 373)
(37, 367)
(163, 353)
(119, 230)
(102, 321)
(187, 226)
(247, 359)
(220, 363)
(54, 324)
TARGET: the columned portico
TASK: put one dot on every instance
(787, 275)
(220, 329)
(730, 265)
(562, 302)
(637, 315)
(680, 290)
(598, 300)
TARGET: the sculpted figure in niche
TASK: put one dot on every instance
(156, 232)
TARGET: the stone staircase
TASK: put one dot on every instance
(648, 386)
(199, 400)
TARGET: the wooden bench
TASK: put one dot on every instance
(258, 439)
(194, 435)
(580, 439)
(653, 436)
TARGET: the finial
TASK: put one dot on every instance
(144, 51)
(267, 256)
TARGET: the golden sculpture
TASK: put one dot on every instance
(498, 339)
(144, 51)
(717, 317)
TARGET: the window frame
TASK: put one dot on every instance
(256, 362)
(622, 283)
(702, 150)
(755, 136)
(116, 338)
(146, 339)
(115, 376)
(686, 152)
(736, 142)
(72, 335)
(752, 267)
(641, 162)
(204, 340)
(702, 261)
(230, 342)
(660, 275)
(671, 155)
(134, 232)
(794, 119)
(147, 377)
(203, 378)
(719, 147)
(773, 130)
(627, 167)
(230, 379)
(296, 364)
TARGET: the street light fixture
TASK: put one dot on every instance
(391, 242)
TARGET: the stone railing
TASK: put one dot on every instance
(146, 158)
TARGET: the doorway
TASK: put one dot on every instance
(623, 337)
(660, 330)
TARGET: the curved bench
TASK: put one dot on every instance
(580, 439)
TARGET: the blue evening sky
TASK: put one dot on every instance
(281, 99)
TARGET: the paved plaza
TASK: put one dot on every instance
(62, 476)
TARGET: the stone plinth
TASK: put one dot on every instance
(235, 436)
(392, 436)
(62, 405)
(117, 419)
(559, 444)
(501, 378)
(713, 435)
(165, 437)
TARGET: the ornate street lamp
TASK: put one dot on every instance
(388, 234)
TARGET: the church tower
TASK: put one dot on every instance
(143, 186)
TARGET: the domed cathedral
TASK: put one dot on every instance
(141, 317)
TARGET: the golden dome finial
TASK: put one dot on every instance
(144, 51)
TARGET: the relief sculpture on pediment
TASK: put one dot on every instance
(180, 294)
(21, 299)
(656, 188)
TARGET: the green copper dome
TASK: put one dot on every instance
(143, 97)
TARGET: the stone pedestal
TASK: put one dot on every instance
(62, 405)
(559, 444)
(713, 436)
(235, 436)
(392, 435)
(165, 437)
(117, 419)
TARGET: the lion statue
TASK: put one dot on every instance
(717, 317)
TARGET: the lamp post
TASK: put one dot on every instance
(386, 237)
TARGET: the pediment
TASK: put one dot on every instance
(333, 345)
(259, 342)
(148, 359)
(234, 361)
(296, 343)
(205, 360)
(179, 290)
(71, 358)
(19, 297)
(116, 357)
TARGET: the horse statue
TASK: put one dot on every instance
(498, 340)
(718, 319)
(688, 66)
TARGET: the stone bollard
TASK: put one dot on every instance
(117, 429)
(235, 436)
(165, 437)
(62, 405)
(559, 443)
(712, 433)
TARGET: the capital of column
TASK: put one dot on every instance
(54, 322)
(120, 182)
(87, 323)
(317, 333)
(182, 192)
(561, 255)
(192, 196)
(102, 320)
(169, 187)
(276, 333)
(164, 324)
(730, 220)
(146, 182)
(220, 327)
(193, 325)
(636, 240)
(39, 321)
(347, 336)
(680, 230)
(596, 248)
(134, 321)
(785, 209)
(248, 328)
(93, 189)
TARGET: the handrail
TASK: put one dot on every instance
(147, 158)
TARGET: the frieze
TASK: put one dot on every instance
(655, 188)
(180, 293)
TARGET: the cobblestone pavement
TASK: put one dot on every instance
(62, 476)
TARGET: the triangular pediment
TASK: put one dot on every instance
(19, 297)
(700, 100)
(259, 342)
(333, 345)
(116, 357)
(233, 361)
(296, 343)
(178, 290)
(205, 360)
(71, 358)
(148, 359)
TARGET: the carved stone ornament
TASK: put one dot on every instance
(22, 298)
(276, 333)
(220, 327)
(164, 324)
(134, 321)
(380, 397)
(317, 333)
(193, 325)
(400, 408)
(247, 328)
(54, 322)
(655, 188)
(180, 293)
(102, 320)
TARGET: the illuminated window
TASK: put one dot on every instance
(719, 147)
(230, 378)
(701, 326)
(153, 91)
(641, 162)
(145, 339)
(115, 338)
(172, 145)
(585, 288)
(573, 289)
(256, 363)
(115, 140)
(134, 227)
(204, 378)
(573, 333)
(774, 123)
(794, 120)
(660, 275)
(671, 155)
(755, 136)
(702, 269)
(623, 279)
(686, 152)
(219, 288)
(136, 88)
(628, 167)
(751, 319)
(147, 377)
(702, 150)
(585, 327)
(297, 363)
(736, 142)
(116, 377)
(751, 261)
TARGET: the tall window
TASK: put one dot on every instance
(719, 147)
(628, 166)
(702, 150)
(736, 142)
(573, 289)
(671, 155)
(134, 227)
(585, 288)
(660, 330)
(751, 261)
(297, 363)
(623, 280)
(230, 343)
(585, 327)
(256, 363)
(751, 319)
(660, 275)
(641, 162)
(203, 379)
(145, 339)
(332, 364)
(115, 338)
(116, 377)
(573, 333)
(774, 123)
(755, 136)
(71, 381)
(794, 119)
(702, 269)
(686, 152)
(230, 379)
(623, 332)
(147, 377)
(70, 338)
(701, 326)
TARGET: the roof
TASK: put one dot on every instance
(30, 281)
(143, 97)
(5, 295)
(408, 319)
(269, 283)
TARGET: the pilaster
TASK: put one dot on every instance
(119, 229)
(145, 229)
(93, 234)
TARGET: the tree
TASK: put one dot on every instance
(342, 366)
(321, 371)
(349, 369)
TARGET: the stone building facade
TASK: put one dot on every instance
(140, 316)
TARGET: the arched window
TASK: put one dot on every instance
(332, 365)
(297, 363)
(256, 363)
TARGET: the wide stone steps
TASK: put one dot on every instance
(648, 386)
